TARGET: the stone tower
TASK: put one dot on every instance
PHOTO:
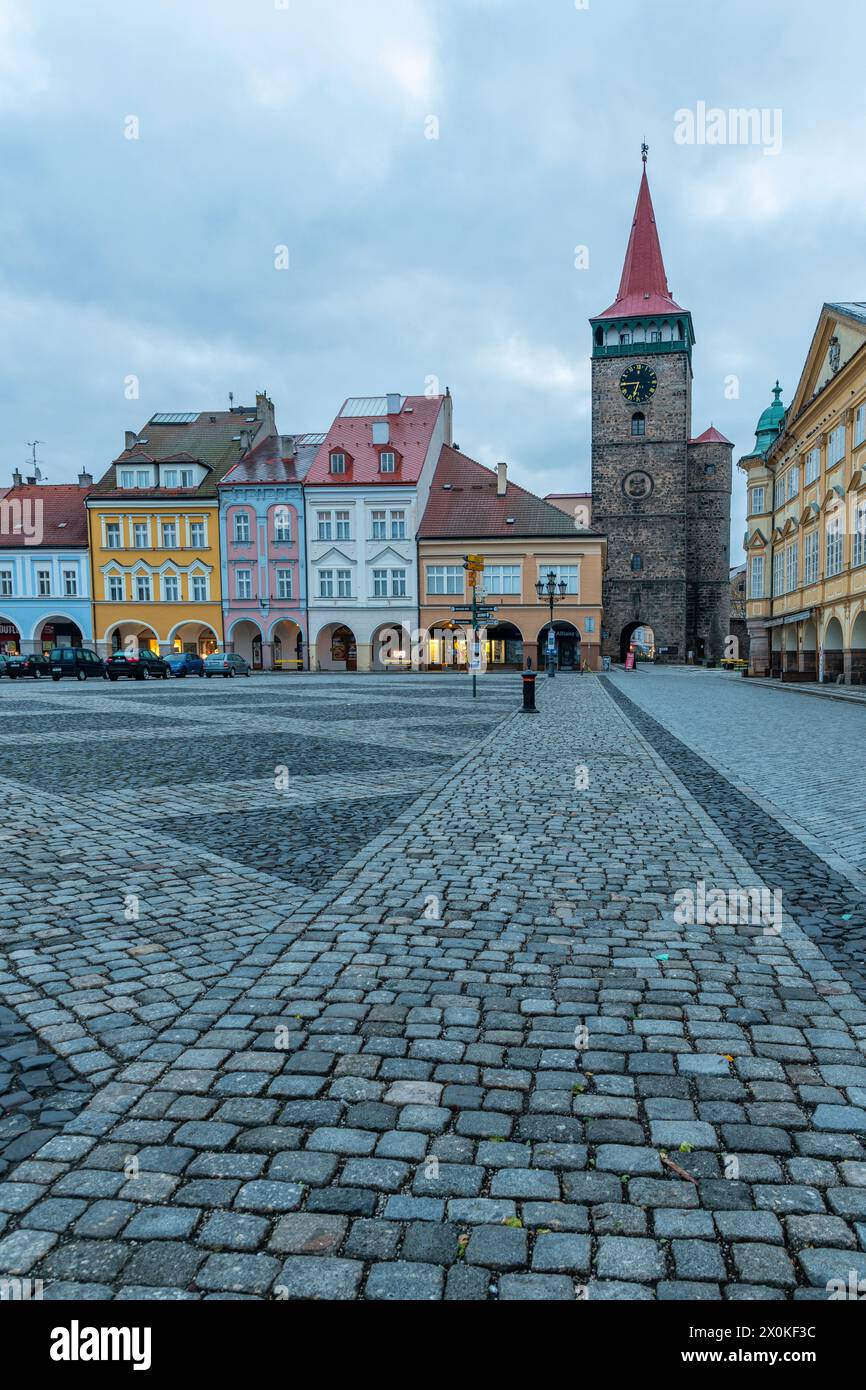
(662, 498)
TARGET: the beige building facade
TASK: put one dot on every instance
(806, 532)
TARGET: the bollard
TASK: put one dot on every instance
(528, 678)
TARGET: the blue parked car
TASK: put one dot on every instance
(185, 664)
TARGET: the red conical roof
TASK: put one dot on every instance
(643, 288)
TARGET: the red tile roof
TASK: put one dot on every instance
(711, 436)
(410, 432)
(64, 516)
(268, 462)
(643, 288)
(464, 502)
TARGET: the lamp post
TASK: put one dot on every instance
(551, 591)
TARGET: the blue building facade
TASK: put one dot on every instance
(44, 568)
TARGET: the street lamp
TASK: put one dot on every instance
(551, 591)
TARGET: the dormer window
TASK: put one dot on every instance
(187, 477)
(387, 461)
(169, 477)
(338, 463)
(127, 477)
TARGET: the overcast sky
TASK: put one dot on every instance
(306, 126)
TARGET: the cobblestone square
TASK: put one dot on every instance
(353, 988)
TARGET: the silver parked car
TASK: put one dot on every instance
(225, 664)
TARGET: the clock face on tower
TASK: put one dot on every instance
(638, 383)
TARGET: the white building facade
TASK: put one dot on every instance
(364, 497)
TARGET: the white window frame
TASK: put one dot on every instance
(241, 529)
(43, 582)
(860, 424)
(344, 583)
(793, 481)
(445, 579)
(110, 528)
(169, 477)
(337, 461)
(398, 583)
(756, 577)
(379, 526)
(811, 553)
(502, 579)
(835, 446)
(778, 572)
(324, 526)
(284, 582)
(168, 526)
(192, 530)
(140, 580)
(243, 583)
(7, 583)
(282, 526)
(561, 571)
(812, 467)
(792, 563)
(70, 583)
(170, 595)
(342, 525)
(834, 548)
(199, 585)
(141, 526)
(113, 583)
(187, 477)
(756, 500)
(391, 465)
(127, 477)
(398, 525)
(326, 583)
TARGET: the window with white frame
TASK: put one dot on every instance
(170, 588)
(127, 477)
(197, 533)
(380, 583)
(169, 534)
(792, 553)
(169, 477)
(571, 574)
(834, 546)
(115, 588)
(43, 582)
(187, 477)
(338, 463)
(502, 579)
(140, 535)
(794, 481)
(378, 522)
(344, 583)
(70, 583)
(778, 572)
(341, 526)
(387, 461)
(811, 547)
(398, 526)
(284, 583)
(112, 535)
(242, 527)
(779, 493)
(756, 498)
(200, 588)
(398, 583)
(5, 583)
(756, 577)
(859, 425)
(142, 477)
(143, 588)
(859, 556)
(445, 579)
(282, 525)
(243, 584)
(323, 522)
(813, 466)
(326, 583)
(836, 446)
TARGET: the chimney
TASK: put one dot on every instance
(85, 479)
(501, 479)
(246, 440)
(17, 480)
(393, 399)
(288, 446)
(129, 439)
(265, 412)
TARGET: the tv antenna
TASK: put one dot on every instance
(36, 471)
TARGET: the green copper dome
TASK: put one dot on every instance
(770, 422)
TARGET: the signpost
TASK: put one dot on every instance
(474, 565)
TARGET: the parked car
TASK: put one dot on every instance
(77, 662)
(185, 664)
(34, 664)
(226, 664)
(5, 658)
(139, 666)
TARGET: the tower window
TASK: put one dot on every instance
(599, 337)
(625, 338)
(638, 423)
(681, 332)
(655, 335)
(637, 562)
(709, 469)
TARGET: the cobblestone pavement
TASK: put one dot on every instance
(485, 1058)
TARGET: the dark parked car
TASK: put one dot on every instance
(185, 664)
(5, 658)
(77, 662)
(138, 666)
(34, 664)
(226, 664)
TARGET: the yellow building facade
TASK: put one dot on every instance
(153, 526)
(806, 537)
